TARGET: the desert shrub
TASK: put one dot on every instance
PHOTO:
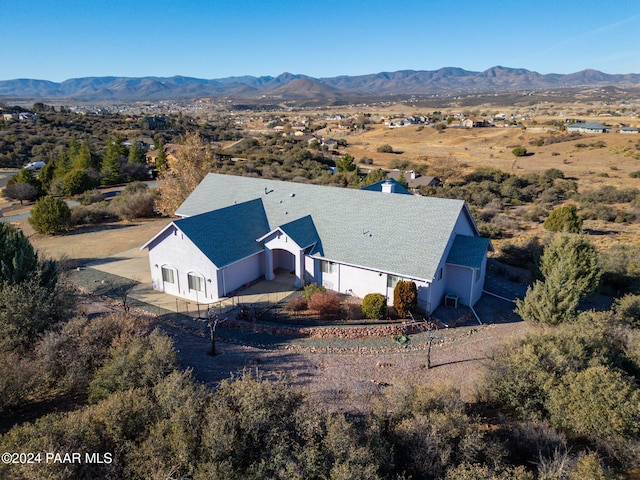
(135, 204)
(620, 265)
(608, 194)
(489, 230)
(627, 310)
(635, 174)
(564, 219)
(525, 255)
(519, 151)
(374, 306)
(311, 288)
(142, 362)
(432, 433)
(90, 197)
(91, 214)
(18, 376)
(521, 375)
(405, 298)
(351, 310)
(70, 353)
(600, 404)
(50, 215)
(607, 213)
(297, 304)
(385, 149)
(324, 303)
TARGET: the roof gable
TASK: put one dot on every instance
(228, 234)
(468, 251)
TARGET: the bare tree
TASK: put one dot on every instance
(213, 321)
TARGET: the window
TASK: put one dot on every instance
(168, 275)
(440, 273)
(392, 281)
(328, 267)
(476, 274)
(196, 282)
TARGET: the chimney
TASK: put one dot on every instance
(388, 187)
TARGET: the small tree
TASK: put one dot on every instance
(18, 259)
(50, 215)
(519, 151)
(346, 164)
(569, 267)
(405, 297)
(374, 306)
(20, 191)
(385, 148)
(77, 181)
(564, 219)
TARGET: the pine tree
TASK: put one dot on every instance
(569, 267)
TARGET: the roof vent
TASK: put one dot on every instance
(292, 195)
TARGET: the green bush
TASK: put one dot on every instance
(405, 298)
(312, 288)
(50, 215)
(519, 151)
(627, 310)
(91, 214)
(374, 306)
(564, 219)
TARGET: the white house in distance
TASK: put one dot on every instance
(235, 230)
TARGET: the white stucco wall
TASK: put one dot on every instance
(459, 283)
(360, 282)
(240, 273)
(175, 249)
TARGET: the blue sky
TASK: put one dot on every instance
(61, 39)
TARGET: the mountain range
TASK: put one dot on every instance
(445, 81)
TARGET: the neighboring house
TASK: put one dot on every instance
(414, 179)
(236, 230)
(170, 150)
(589, 127)
(629, 130)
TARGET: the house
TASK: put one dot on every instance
(629, 130)
(414, 179)
(235, 230)
(588, 127)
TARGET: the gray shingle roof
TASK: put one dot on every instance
(468, 251)
(228, 234)
(304, 233)
(401, 234)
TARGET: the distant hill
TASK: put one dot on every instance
(447, 80)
